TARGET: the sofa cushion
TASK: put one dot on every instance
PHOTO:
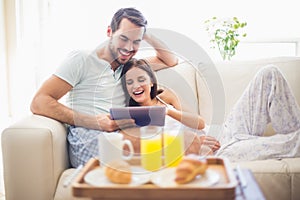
(183, 83)
(65, 193)
(294, 171)
(277, 179)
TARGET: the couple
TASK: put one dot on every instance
(92, 80)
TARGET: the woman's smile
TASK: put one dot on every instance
(138, 92)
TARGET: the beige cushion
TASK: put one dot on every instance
(182, 80)
(65, 193)
(277, 179)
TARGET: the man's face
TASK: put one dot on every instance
(125, 42)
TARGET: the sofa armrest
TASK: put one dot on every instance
(34, 156)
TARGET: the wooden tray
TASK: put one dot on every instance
(224, 189)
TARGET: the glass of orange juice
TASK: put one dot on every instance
(173, 146)
(151, 147)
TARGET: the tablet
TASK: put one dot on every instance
(143, 115)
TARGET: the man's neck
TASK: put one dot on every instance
(104, 53)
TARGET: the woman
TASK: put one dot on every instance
(141, 89)
(267, 99)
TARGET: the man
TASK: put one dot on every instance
(93, 85)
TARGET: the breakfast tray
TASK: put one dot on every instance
(223, 189)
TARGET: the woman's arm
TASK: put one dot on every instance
(191, 120)
(207, 143)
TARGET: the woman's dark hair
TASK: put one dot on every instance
(144, 65)
(132, 14)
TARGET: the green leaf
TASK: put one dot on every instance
(226, 38)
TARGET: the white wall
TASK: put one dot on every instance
(82, 23)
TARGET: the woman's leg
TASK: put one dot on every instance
(267, 99)
(259, 148)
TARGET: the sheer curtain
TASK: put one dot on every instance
(21, 57)
(4, 94)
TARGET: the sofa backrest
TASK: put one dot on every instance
(182, 80)
(237, 75)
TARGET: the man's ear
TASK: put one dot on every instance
(109, 31)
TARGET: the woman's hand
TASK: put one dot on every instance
(200, 145)
(211, 142)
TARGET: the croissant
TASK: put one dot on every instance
(188, 169)
(118, 172)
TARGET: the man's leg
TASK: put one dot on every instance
(83, 145)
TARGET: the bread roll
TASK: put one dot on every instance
(118, 172)
(188, 169)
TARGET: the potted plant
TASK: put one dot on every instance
(225, 34)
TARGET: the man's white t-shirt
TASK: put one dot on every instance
(96, 87)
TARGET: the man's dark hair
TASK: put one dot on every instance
(132, 14)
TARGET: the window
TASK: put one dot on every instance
(269, 48)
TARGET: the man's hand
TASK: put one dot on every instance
(164, 57)
(105, 123)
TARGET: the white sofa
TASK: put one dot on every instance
(35, 155)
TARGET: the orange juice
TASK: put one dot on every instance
(173, 148)
(151, 152)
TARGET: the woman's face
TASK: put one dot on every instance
(138, 84)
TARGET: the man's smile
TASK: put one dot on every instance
(125, 52)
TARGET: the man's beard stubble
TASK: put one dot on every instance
(114, 54)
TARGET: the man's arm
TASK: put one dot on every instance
(164, 57)
(46, 103)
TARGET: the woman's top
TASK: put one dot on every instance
(171, 122)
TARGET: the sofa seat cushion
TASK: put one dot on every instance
(277, 178)
(294, 171)
(65, 193)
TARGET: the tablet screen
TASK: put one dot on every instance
(143, 115)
